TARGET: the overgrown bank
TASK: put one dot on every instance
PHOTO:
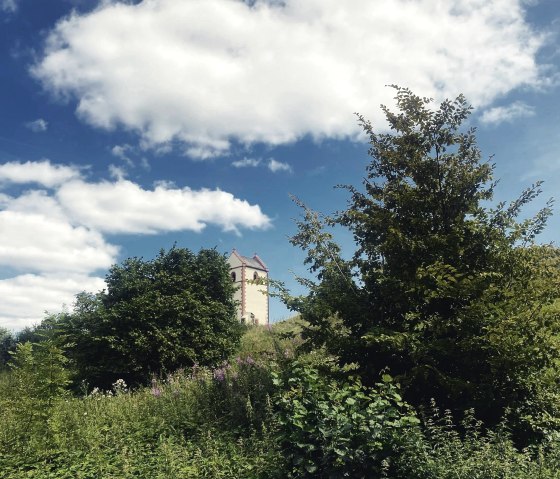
(271, 414)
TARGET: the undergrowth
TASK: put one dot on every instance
(267, 413)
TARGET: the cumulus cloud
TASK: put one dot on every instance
(125, 207)
(33, 241)
(38, 125)
(117, 172)
(41, 172)
(508, 113)
(25, 298)
(53, 236)
(208, 72)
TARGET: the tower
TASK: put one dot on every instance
(252, 298)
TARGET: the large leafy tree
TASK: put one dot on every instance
(453, 297)
(155, 316)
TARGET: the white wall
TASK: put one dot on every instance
(252, 298)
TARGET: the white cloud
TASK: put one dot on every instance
(272, 164)
(25, 298)
(508, 113)
(8, 5)
(41, 172)
(122, 152)
(125, 207)
(54, 238)
(206, 72)
(247, 162)
(38, 125)
(117, 172)
(276, 166)
(37, 237)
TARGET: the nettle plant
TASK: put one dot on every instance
(337, 427)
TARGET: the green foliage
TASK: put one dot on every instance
(451, 296)
(38, 371)
(36, 381)
(338, 428)
(155, 317)
(7, 344)
(196, 423)
(233, 422)
(441, 450)
(281, 339)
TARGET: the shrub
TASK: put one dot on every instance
(337, 428)
(443, 450)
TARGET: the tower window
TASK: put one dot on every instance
(233, 276)
(255, 275)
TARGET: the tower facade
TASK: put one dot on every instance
(252, 298)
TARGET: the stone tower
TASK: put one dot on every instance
(252, 298)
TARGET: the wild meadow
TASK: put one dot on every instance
(269, 412)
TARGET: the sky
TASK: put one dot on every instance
(130, 126)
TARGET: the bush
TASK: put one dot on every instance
(197, 423)
(442, 450)
(337, 428)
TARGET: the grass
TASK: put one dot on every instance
(224, 423)
(194, 424)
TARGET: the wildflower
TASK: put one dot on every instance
(156, 392)
(249, 361)
(120, 386)
(220, 374)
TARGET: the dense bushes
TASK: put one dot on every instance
(338, 428)
(265, 416)
(199, 422)
(154, 317)
(442, 450)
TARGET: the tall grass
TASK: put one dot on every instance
(238, 420)
(196, 423)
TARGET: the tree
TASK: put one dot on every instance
(7, 344)
(155, 316)
(448, 294)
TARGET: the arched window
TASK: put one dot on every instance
(233, 276)
(255, 275)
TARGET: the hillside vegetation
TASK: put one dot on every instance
(265, 414)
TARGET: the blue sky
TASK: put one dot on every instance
(126, 127)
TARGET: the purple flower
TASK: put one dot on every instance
(156, 392)
(220, 374)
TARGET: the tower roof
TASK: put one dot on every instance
(254, 262)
